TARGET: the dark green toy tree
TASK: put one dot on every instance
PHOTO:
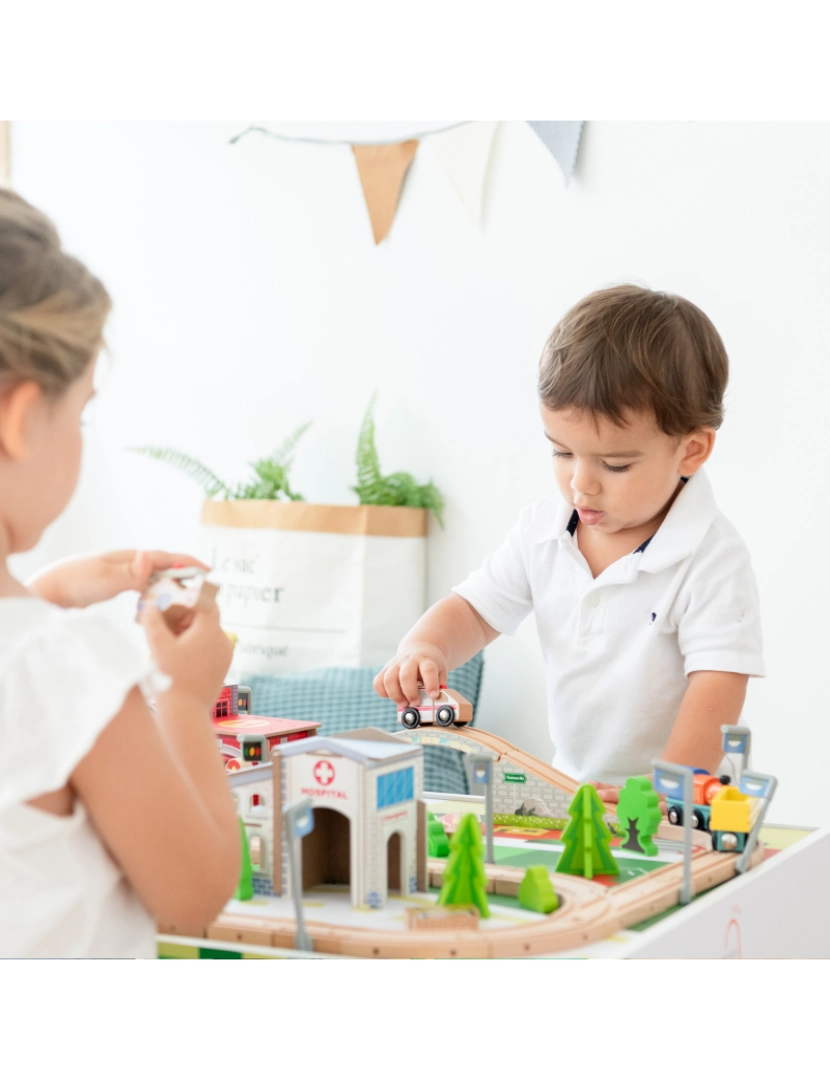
(536, 892)
(639, 814)
(245, 888)
(465, 881)
(438, 846)
(587, 838)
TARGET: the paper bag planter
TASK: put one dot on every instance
(308, 586)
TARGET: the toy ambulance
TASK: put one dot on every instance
(447, 709)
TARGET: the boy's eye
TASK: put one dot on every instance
(560, 453)
(616, 468)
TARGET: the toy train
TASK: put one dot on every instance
(719, 809)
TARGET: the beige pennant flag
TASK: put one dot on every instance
(382, 172)
(464, 152)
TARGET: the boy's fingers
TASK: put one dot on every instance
(409, 682)
(378, 684)
(431, 677)
(393, 687)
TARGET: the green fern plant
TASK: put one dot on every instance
(270, 474)
(397, 489)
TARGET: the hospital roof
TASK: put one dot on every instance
(367, 751)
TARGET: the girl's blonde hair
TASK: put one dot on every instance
(52, 309)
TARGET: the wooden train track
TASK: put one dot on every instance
(588, 912)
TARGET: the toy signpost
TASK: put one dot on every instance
(299, 821)
(675, 781)
(587, 838)
(482, 773)
(760, 787)
(736, 743)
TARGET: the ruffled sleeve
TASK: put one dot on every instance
(61, 682)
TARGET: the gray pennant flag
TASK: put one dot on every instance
(561, 137)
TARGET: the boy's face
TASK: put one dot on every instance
(620, 478)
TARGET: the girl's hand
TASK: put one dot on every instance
(197, 659)
(79, 582)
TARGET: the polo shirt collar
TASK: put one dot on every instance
(682, 531)
(685, 525)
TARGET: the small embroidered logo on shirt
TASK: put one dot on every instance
(653, 616)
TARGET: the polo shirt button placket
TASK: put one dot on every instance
(588, 621)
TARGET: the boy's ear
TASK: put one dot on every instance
(17, 407)
(698, 447)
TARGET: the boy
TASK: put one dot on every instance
(643, 592)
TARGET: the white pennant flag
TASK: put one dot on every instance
(464, 153)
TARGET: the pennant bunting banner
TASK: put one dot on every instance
(463, 150)
(382, 171)
(561, 137)
(464, 153)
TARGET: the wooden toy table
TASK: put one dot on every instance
(775, 910)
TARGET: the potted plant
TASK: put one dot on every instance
(306, 585)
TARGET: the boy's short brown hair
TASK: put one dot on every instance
(630, 349)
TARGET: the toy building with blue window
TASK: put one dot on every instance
(369, 821)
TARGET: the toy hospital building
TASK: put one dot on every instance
(365, 789)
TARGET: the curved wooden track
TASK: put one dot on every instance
(588, 912)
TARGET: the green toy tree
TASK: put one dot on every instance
(465, 881)
(245, 888)
(587, 838)
(536, 892)
(639, 814)
(438, 846)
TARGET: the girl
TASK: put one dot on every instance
(110, 819)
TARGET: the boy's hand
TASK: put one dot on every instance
(197, 659)
(79, 582)
(413, 664)
(610, 793)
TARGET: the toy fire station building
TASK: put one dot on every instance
(369, 823)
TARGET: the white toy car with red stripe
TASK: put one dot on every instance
(447, 709)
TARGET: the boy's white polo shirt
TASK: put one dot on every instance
(618, 648)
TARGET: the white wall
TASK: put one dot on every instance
(249, 297)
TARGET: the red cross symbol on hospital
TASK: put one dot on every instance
(324, 773)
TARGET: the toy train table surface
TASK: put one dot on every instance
(369, 889)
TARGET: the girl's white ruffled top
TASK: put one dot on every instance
(63, 676)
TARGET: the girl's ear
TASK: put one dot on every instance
(18, 404)
(698, 447)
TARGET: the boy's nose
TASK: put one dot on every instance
(583, 482)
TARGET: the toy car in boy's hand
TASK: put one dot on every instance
(447, 709)
(179, 593)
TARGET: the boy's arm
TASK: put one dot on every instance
(444, 637)
(711, 699)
